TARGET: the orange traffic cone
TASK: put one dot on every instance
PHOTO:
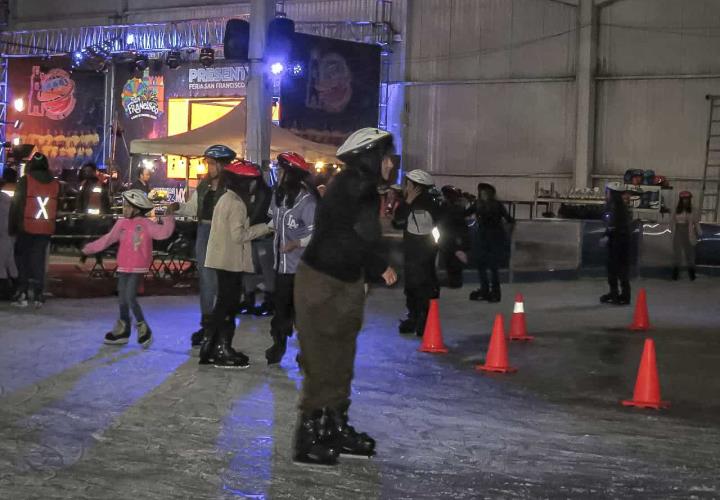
(641, 320)
(497, 356)
(647, 385)
(518, 328)
(432, 336)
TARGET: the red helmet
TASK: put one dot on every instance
(243, 168)
(294, 160)
(685, 194)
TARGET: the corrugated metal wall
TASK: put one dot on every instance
(459, 124)
(656, 123)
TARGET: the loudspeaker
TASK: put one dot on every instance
(237, 39)
(279, 37)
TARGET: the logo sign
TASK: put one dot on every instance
(52, 94)
(218, 78)
(142, 97)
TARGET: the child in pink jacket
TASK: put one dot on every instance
(135, 233)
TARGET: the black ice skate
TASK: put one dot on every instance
(313, 445)
(350, 443)
(274, 354)
(225, 356)
(119, 335)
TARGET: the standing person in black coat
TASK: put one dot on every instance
(454, 241)
(618, 233)
(491, 242)
(417, 215)
(330, 298)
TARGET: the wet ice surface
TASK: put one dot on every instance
(82, 420)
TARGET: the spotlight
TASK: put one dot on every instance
(173, 59)
(77, 58)
(18, 124)
(277, 68)
(297, 70)
(207, 56)
(130, 39)
(141, 62)
(16, 141)
(19, 104)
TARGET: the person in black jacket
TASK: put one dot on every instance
(618, 233)
(330, 298)
(454, 241)
(93, 201)
(491, 241)
(417, 215)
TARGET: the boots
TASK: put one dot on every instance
(675, 273)
(267, 308)
(207, 347)
(225, 356)
(274, 354)
(407, 326)
(119, 335)
(480, 294)
(313, 444)
(144, 334)
(691, 273)
(196, 338)
(349, 442)
(248, 304)
(495, 295)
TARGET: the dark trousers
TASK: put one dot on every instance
(618, 265)
(453, 267)
(487, 262)
(127, 295)
(284, 318)
(230, 286)
(421, 285)
(31, 259)
(329, 315)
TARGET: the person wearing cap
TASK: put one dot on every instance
(345, 248)
(142, 182)
(293, 218)
(202, 206)
(685, 228)
(229, 253)
(93, 201)
(417, 215)
(135, 233)
(618, 232)
(32, 220)
(490, 241)
(454, 235)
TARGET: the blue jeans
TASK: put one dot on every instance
(127, 294)
(208, 277)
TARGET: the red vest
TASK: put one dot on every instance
(40, 206)
(94, 205)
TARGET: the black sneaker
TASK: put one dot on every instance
(479, 294)
(119, 335)
(609, 298)
(144, 334)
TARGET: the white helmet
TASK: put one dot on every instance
(615, 186)
(137, 199)
(362, 140)
(420, 177)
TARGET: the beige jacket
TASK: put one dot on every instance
(231, 234)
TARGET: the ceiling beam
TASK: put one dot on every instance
(571, 3)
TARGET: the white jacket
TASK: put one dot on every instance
(231, 234)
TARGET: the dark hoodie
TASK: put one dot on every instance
(39, 170)
(347, 238)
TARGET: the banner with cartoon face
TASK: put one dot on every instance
(335, 90)
(62, 111)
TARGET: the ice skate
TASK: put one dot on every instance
(350, 443)
(119, 335)
(312, 441)
(144, 334)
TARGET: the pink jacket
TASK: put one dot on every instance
(135, 236)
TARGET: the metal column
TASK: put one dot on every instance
(4, 62)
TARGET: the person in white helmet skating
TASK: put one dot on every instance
(330, 298)
(417, 215)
